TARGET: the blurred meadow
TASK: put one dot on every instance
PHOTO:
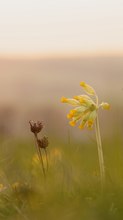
(44, 56)
(31, 90)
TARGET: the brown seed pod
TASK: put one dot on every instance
(43, 143)
(35, 127)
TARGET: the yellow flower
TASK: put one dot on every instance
(87, 88)
(72, 123)
(70, 101)
(85, 111)
(105, 105)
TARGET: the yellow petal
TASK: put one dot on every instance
(81, 127)
(82, 124)
(90, 124)
(78, 97)
(88, 89)
(72, 123)
(72, 113)
(64, 100)
(69, 116)
(73, 102)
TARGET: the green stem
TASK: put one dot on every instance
(100, 153)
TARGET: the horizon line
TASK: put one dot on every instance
(36, 56)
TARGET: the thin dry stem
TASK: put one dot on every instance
(46, 158)
(39, 154)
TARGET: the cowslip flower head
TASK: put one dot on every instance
(85, 107)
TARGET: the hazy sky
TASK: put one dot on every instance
(49, 27)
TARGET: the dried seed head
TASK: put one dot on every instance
(35, 127)
(43, 143)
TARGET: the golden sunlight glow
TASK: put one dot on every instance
(55, 27)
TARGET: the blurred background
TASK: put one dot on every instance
(46, 49)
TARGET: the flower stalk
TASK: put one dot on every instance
(39, 154)
(100, 152)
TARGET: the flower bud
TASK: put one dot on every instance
(105, 105)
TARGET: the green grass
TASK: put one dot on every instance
(71, 189)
